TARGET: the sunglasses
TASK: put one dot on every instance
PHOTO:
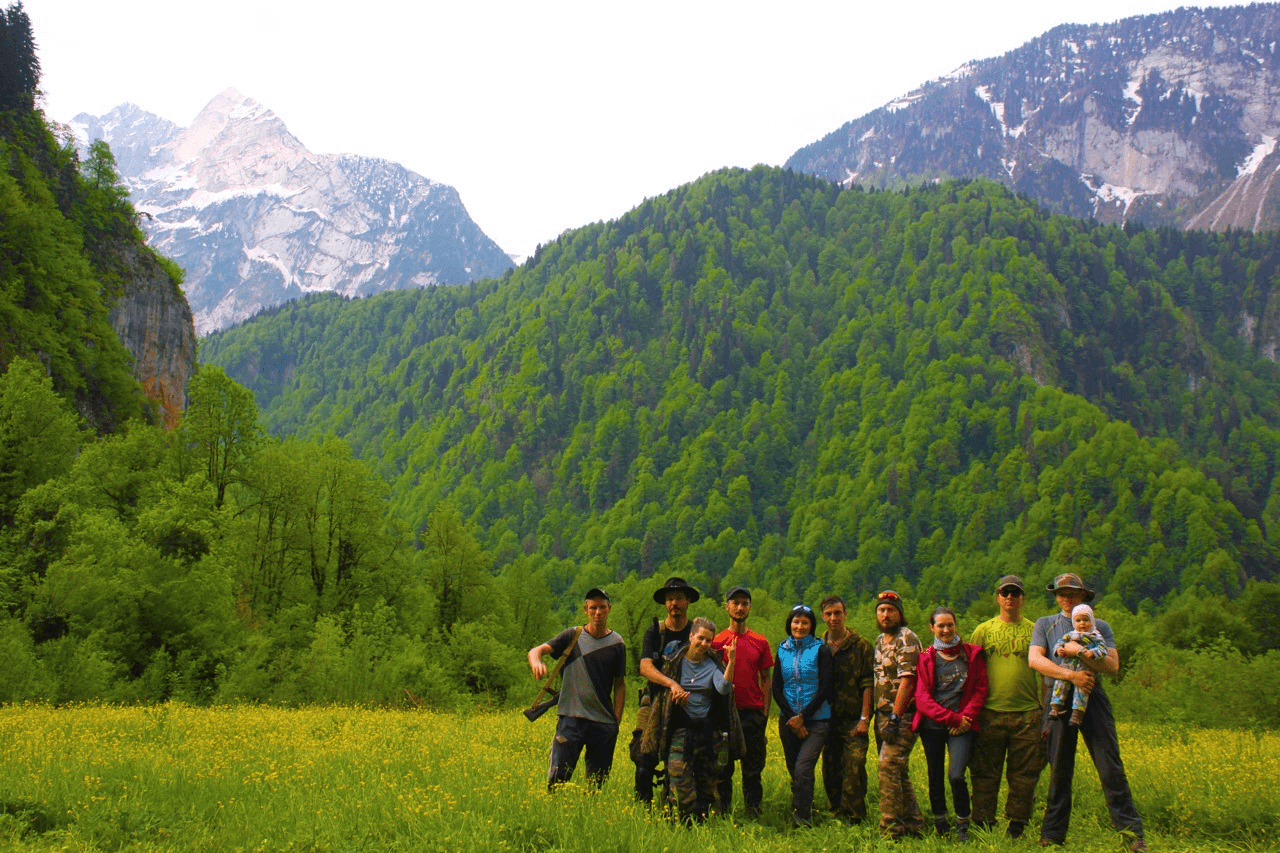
(888, 596)
(1011, 592)
(803, 608)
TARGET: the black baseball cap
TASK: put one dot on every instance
(1010, 580)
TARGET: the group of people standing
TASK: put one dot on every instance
(977, 707)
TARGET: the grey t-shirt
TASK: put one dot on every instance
(589, 673)
(1050, 630)
(949, 677)
(700, 679)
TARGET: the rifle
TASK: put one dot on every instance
(540, 705)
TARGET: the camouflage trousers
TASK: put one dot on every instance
(1009, 744)
(899, 809)
(844, 771)
(695, 764)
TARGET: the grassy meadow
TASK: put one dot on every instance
(335, 778)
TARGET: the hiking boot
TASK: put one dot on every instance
(962, 829)
(941, 826)
(1015, 829)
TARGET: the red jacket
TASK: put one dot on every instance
(972, 697)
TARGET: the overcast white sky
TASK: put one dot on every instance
(545, 116)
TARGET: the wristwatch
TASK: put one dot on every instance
(894, 718)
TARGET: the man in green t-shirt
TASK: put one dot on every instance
(1010, 729)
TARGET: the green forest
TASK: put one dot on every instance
(757, 379)
(763, 379)
(68, 241)
(760, 379)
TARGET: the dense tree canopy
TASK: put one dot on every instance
(762, 379)
(756, 379)
(68, 243)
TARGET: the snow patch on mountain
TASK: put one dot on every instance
(1260, 152)
(254, 218)
(1165, 111)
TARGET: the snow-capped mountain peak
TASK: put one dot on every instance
(256, 219)
(1167, 119)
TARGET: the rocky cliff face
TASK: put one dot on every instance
(1163, 119)
(256, 219)
(154, 323)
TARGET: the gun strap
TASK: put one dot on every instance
(577, 632)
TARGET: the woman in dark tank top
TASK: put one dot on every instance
(950, 691)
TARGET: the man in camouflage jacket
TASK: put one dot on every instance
(844, 755)
(897, 650)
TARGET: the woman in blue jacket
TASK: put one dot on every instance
(802, 689)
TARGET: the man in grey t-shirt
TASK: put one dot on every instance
(1098, 727)
(588, 715)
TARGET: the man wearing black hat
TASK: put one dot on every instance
(752, 676)
(588, 717)
(1098, 727)
(662, 640)
(1009, 727)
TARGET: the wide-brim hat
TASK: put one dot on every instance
(676, 585)
(1070, 580)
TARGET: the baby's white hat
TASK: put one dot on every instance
(1081, 608)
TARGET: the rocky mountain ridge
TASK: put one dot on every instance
(256, 219)
(1164, 119)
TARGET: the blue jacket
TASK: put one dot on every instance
(802, 679)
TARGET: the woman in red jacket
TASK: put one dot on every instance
(951, 689)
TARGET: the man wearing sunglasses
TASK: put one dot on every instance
(1009, 740)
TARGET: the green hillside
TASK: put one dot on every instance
(761, 379)
(755, 379)
(65, 232)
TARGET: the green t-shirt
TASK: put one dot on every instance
(1014, 686)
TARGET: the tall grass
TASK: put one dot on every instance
(345, 779)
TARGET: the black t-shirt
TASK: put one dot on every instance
(658, 651)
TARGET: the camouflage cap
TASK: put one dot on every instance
(1070, 580)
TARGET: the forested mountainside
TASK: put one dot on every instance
(1169, 118)
(762, 379)
(74, 268)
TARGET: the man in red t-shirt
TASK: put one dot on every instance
(752, 675)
